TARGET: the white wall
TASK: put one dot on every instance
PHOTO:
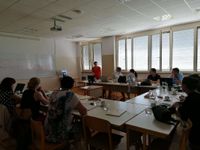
(108, 50)
(66, 56)
(25, 57)
(108, 45)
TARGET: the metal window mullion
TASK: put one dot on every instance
(132, 62)
(82, 59)
(117, 54)
(160, 63)
(126, 53)
(91, 55)
(101, 55)
(149, 51)
(195, 49)
(171, 49)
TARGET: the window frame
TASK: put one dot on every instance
(90, 55)
(195, 27)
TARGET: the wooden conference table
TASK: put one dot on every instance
(122, 87)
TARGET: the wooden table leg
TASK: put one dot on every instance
(127, 139)
(144, 141)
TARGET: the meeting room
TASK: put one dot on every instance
(99, 74)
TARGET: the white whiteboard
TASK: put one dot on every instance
(23, 58)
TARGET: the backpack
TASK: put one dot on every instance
(56, 108)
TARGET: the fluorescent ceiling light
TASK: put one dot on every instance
(166, 17)
(163, 17)
(124, 1)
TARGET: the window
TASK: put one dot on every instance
(86, 62)
(183, 49)
(140, 53)
(165, 52)
(129, 53)
(97, 53)
(155, 57)
(90, 53)
(121, 54)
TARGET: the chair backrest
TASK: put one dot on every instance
(4, 122)
(96, 124)
(38, 135)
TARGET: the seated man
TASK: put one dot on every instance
(177, 76)
(117, 74)
(153, 76)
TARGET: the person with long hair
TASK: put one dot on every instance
(132, 76)
(32, 97)
(7, 96)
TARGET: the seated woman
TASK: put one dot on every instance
(7, 97)
(132, 76)
(189, 110)
(58, 123)
(153, 76)
(32, 97)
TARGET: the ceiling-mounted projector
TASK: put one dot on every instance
(56, 27)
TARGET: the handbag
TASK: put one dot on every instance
(162, 113)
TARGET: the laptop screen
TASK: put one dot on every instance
(122, 79)
(91, 78)
(19, 87)
(169, 81)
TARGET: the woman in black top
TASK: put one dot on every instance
(32, 97)
(189, 109)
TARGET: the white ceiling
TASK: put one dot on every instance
(99, 18)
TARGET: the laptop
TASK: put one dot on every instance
(91, 79)
(104, 79)
(19, 87)
(169, 81)
(122, 79)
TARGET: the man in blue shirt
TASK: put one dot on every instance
(177, 76)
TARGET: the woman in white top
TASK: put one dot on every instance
(132, 77)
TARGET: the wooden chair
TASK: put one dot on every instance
(98, 134)
(6, 141)
(38, 137)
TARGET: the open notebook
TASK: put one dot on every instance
(115, 112)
